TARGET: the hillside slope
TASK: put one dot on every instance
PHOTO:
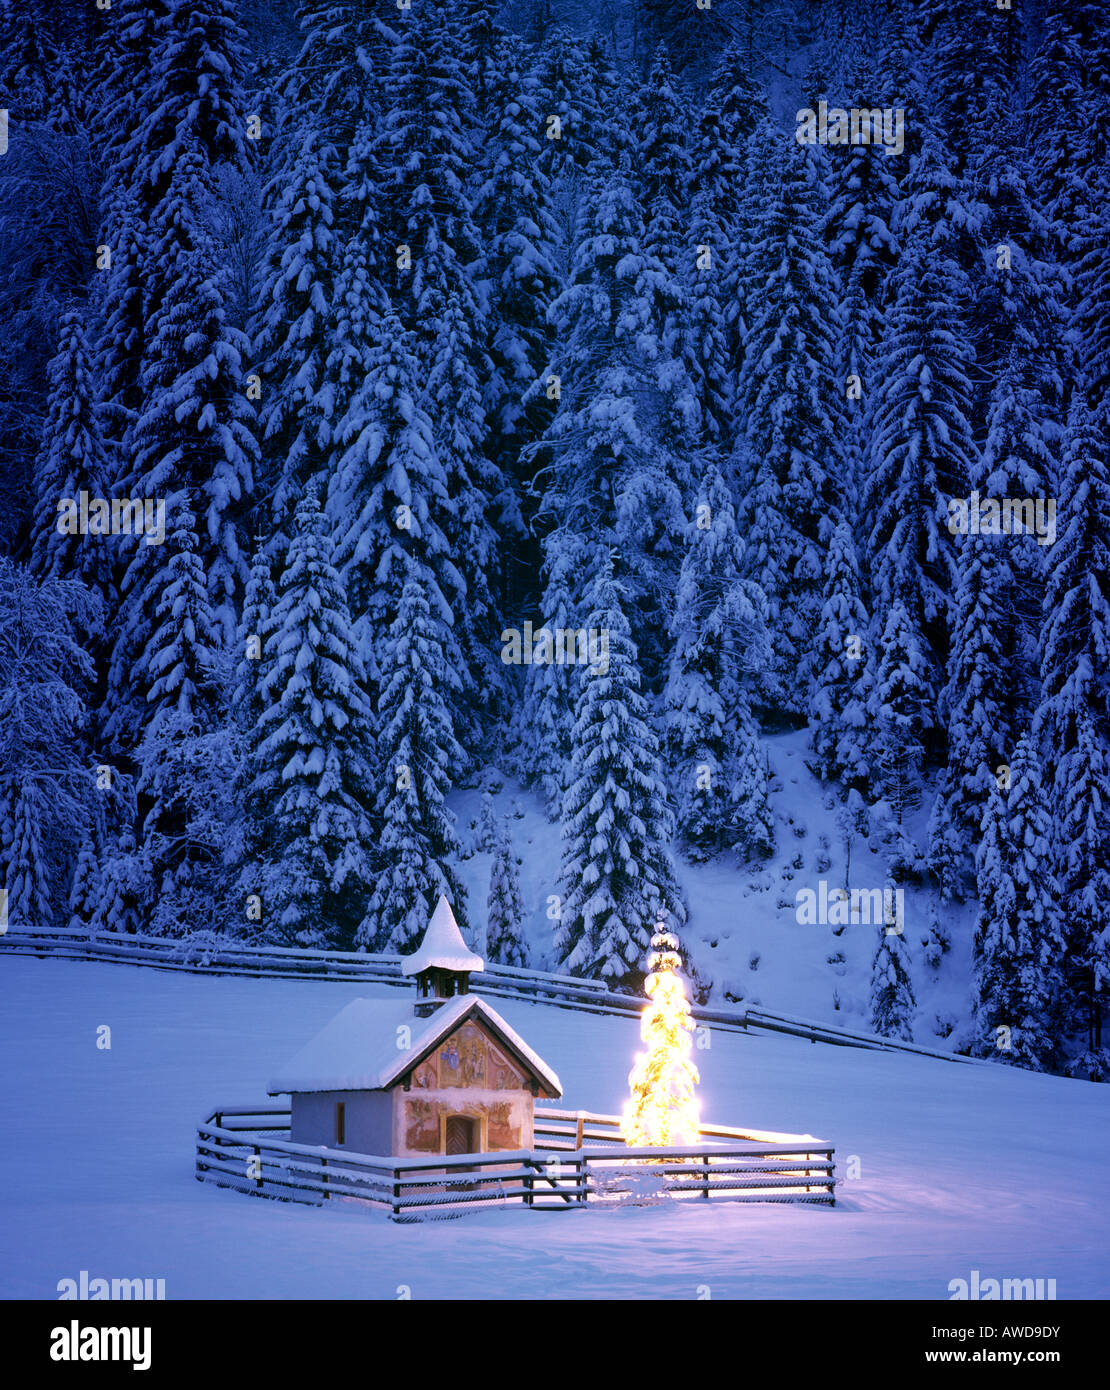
(743, 936)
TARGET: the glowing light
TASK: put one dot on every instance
(662, 1111)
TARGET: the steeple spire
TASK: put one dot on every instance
(442, 963)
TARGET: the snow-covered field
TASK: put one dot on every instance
(961, 1167)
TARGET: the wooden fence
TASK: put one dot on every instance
(578, 1158)
(201, 955)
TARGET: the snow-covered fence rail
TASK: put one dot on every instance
(238, 1147)
(569, 1129)
(208, 955)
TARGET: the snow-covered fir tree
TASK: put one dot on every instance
(790, 405)
(718, 767)
(900, 711)
(975, 705)
(46, 777)
(505, 943)
(617, 823)
(72, 460)
(842, 669)
(544, 730)
(418, 757)
(1073, 718)
(892, 995)
(1019, 943)
(307, 855)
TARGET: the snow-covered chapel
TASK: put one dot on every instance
(446, 1075)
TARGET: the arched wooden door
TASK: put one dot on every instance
(461, 1136)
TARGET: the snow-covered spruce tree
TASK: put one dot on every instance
(718, 766)
(692, 36)
(616, 471)
(255, 641)
(480, 44)
(708, 350)
(892, 997)
(119, 329)
(71, 460)
(750, 789)
(842, 670)
(739, 97)
(33, 900)
(1018, 284)
(974, 39)
(388, 497)
(46, 784)
(616, 824)
(505, 930)
(187, 763)
(516, 220)
(975, 707)
(291, 335)
(790, 404)
(417, 758)
(703, 334)
(185, 96)
(453, 399)
(28, 64)
(485, 827)
(197, 428)
(937, 940)
(573, 130)
(194, 453)
(661, 165)
(900, 712)
(181, 748)
(543, 732)
(124, 889)
(307, 854)
(920, 448)
(1092, 282)
(1063, 76)
(1019, 460)
(863, 191)
(332, 83)
(747, 138)
(1073, 721)
(425, 155)
(85, 888)
(1075, 633)
(1083, 867)
(255, 651)
(1019, 944)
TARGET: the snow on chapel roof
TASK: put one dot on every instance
(443, 946)
(359, 1049)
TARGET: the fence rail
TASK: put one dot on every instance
(205, 956)
(239, 1147)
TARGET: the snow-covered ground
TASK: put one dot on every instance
(961, 1166)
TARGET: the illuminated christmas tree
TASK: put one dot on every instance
(662, 1111)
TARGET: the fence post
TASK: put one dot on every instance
(578, 1130)
(258, 1165)
(396, 1192)
(529, 1180)
(705, 1191)
(324, 1167)
(582, 1165)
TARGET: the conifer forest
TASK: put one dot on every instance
(413, 410)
